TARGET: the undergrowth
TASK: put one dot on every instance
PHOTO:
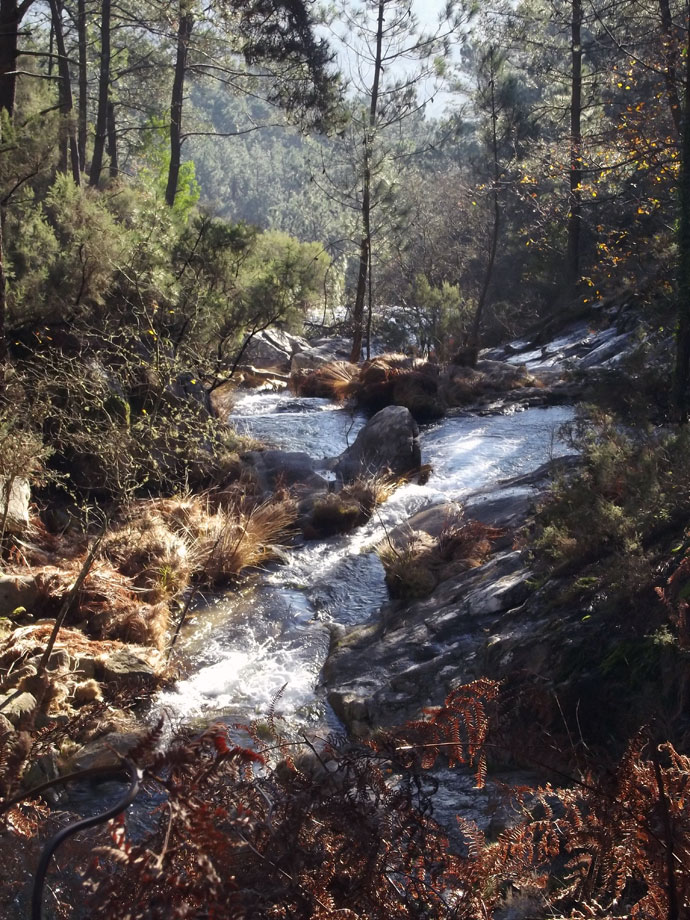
(302, 829)
(632, 488)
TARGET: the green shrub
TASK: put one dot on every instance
(632, 486)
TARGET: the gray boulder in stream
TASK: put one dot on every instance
(291, 468)
(388, 442)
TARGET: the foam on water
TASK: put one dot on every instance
(318, 427)
(243, 649)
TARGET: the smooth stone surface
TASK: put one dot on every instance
(276, 468)
(132, 663)
(18, 506)
(14, 708)
(17, 591)
(273, 348)
(388, 442)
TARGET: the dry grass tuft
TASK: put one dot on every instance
(227, 534)
(352, 506)
(418, 563)
(230, 542)
(130, 621)
(158, 560)
(331, 515)
(468, 543)
(370, 491)
(88, 691)
(336, 381)
(167, 542)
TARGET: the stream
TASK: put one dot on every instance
(241, 650)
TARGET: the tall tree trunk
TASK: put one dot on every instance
(112, 142)
(103, 93)
(496, 225)
(575, 213)
(83, 87)
(11, 14)
(184, 34)
(69, 139)
(3, 292)
(682, 368)
(364, 253)
(365, 242)
(670, 45)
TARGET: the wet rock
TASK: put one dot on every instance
(276, 468)
(44, 769)
(18, 505)
(382, 673)
(273, 348)
(106, 751)
(320, 352)
(388, 442)
(131, 665)
(17, 591)
(608, 350)
(17, 706)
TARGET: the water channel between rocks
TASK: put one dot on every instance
(241, 649)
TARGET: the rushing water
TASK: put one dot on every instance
(242, 649)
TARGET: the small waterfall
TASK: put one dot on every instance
(242, 649)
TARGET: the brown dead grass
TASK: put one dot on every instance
(225, 541)
(370, 491)
(416, 564)
(336, 381)
(166, 543)
(157, 560)
(352, 506)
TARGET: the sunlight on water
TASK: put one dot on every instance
(243, 648)
(318, 427)
(241, 651)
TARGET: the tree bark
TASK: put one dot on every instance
(575, 213)
(103, 93)
(365, 242)
(3, 295)
(11, 14)
(69, 139)
(670, 50)
(682, 367)
(83, 87)
(495, 229)
(112, 142)
(184, 34)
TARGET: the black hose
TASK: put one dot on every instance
(135, 776)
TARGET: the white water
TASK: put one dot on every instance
(240, 650)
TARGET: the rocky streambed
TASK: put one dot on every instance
(320, 630)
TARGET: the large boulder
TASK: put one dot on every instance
(276, 468)
(389, 442)
(188, 387)
(272, 348)
(18, 505)
(320, 352)
(131, 664)
(17, 591)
